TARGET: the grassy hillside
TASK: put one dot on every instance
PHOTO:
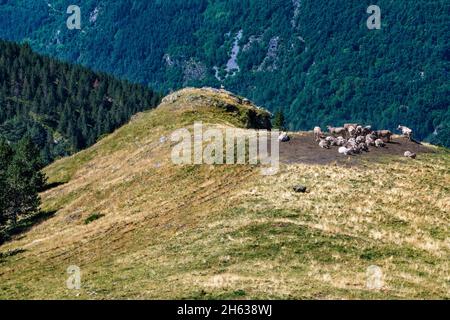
(315, 59)
(140, 227)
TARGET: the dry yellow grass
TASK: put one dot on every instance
(208, 232)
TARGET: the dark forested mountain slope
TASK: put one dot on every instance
(315, 59)
(62, 107)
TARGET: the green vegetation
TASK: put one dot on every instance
(316, 59)
(279, 121)
(20, 182)
(93, 217)
(63, 108)
(12, 253)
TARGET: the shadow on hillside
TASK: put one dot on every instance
(52, 185)
(11, 253)
(24, 225)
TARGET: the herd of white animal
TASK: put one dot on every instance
(353, 138)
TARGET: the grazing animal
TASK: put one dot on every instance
(336, 131)
(386, 135)
(350, 129)
(351, 132)
(406, 132)
(410, 154)
(367, 130)
(360, 139)
(370, 140)
(318, 133)
(324, 144)
(355, 150)
(379, 143)
(351, 142)
(363, 147)
(348, 125)
(331, 140)
(359, 130)
(372, 135)
(340, 141)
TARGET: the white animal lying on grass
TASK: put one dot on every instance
(410, 154)
(284, 137)
(379, 143)
(345, 151)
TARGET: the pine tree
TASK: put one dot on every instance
(24, 180)
(6, 154)
(279, 120)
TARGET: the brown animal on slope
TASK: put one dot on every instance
(336, 131)
(351, 132)
(386, 135)
(348, 125)
(367, 130)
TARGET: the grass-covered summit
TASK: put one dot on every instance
(140, 227)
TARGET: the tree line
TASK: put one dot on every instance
(315, 59)
(63, 108)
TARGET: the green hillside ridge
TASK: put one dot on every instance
(315, 59)
(141, 227)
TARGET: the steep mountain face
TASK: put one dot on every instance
(63, 108)
(139, 226)
(316, 60)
